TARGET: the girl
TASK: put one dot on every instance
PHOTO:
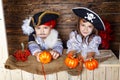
(85, 39)
(42, 35)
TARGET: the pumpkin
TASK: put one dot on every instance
(91, 64)
(21, 55)
(45, 57)
(71, 61)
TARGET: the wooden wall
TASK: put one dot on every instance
(16, 11)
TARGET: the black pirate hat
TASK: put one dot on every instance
(43, 17)
(38, 19)
(90, 16)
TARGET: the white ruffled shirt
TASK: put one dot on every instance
(51, 42)
(75, 43)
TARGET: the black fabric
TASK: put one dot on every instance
(31, 37)
(44, 17)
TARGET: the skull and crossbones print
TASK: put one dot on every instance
(90, 17)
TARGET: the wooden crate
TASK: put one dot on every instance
(107, 70)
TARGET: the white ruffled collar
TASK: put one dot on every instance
(51, 40)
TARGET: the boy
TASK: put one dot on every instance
(42, 35)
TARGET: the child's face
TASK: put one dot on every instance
(42, 31)
(85, 27)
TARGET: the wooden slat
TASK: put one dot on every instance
(99, 73)
(78, 77)
(90, 75)
(27, 76)
(5, 74)
(109, 73)
(3, 41)
(62, 75)
(38, 77)
(16, 75)
(52, 76)
(119, 73)
(119, 52)
(115, 73)
(102, 73)
(84, 74)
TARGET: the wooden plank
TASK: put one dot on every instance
(119, 52)
(99, 73)
(62, 75)
(3, 40)
(52, 76)
(78, 77)
(113, 61)
(27, 76)
(119, 73)
(38, 77)
(102, 73)
(112, 73)
(90, 75)
(5, 74)
(109, 73)
(115, 73)
(84, 74)
(16, 75)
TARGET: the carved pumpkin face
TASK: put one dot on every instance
(45, 57)
(71, 61)
(91, 64)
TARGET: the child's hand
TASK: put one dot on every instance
(90, 55)
(37, 56)
(54, 54)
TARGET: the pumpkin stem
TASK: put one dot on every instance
(74, 56)
(22, 45)
(91, 59)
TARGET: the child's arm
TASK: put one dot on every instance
(90, 55)
(33, 46)
(74, 43)
(57, 49)
(93, 47)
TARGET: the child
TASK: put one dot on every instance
(42, 35)
(85, 40)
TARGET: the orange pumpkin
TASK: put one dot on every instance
(71, 61)
(91, 64)
(45, 57)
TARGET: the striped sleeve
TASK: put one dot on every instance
(33, 47)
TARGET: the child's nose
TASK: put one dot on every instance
(42, 30)
(86, 28)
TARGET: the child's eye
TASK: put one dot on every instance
(46, 27)
(38, 28)
(90, 26)
(82, 25)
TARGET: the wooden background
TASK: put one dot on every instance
(15, 11)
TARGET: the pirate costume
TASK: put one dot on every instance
(76, 42)
(37, 44)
